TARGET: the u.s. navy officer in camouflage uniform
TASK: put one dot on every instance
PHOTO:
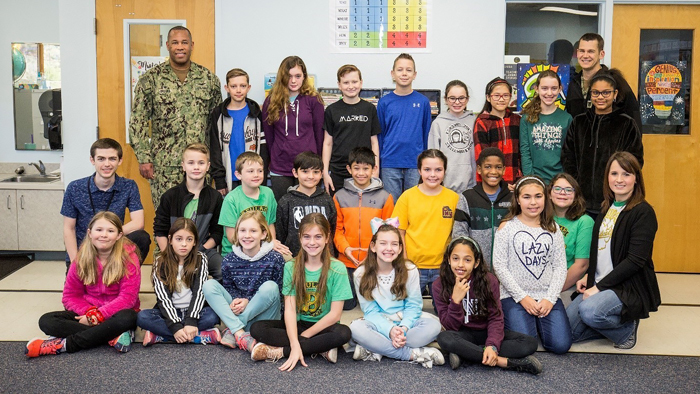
(175, 97)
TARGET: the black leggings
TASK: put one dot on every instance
(469, 344)
(62, 324)
(274, 333)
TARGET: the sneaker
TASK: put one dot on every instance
(455, 361)
(427, 356)
(123, 342)
(331, 355)
(150, 338)
(246, 342)
(365, 355)
(632, 340)
(212, 336)
(40, 347)
(228, 339)
(528, 364)
(262, 351)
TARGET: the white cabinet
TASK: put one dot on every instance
(8, 220)
(32, 220)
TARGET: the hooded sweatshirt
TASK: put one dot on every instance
(293, 206)
(590, 142)
(504, 134)
(220, 126)
(454, 136)
(298, 129)
(356, 208)
(478, 217)
(243, 275)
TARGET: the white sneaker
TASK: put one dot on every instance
(427, 356)
(365, 355)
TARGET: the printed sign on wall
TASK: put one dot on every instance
(662, 92)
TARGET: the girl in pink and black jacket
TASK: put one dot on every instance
(101, 294)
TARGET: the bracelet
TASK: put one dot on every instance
(495, 349)
(94, 316)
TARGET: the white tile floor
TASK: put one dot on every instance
(36, 289)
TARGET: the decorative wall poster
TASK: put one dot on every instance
(379, 26)
(510, 74)
(527, 76)
(662, 91)
(141, 64)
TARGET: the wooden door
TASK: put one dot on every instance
(671, 162)
(110, 15)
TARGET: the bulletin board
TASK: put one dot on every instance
(380, 26)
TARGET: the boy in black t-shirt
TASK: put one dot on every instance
(349, 123)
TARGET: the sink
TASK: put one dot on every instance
(32, 178)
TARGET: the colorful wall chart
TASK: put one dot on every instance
(527, 76)
(380, 25)
(663, 90)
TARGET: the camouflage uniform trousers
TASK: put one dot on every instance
(164, 178)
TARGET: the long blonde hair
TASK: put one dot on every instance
(369, 277)
(299, 273)
(279, 94)
(116, 266)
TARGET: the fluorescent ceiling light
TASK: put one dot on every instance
(569, 11)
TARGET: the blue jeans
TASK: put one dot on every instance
(397, 180)
(365, 333)
(265, 305)
(553, 330)
(598, 316)
(427, 277)
(153, 321)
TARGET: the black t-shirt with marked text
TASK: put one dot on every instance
(351, 126)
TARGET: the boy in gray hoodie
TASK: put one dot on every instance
(303, 199)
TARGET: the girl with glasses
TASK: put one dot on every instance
(452, 132)
(575, 225)
(544, 129)
(499, 127)
(596, 134)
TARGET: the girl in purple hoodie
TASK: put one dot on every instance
(292, 121)
(467, 300)
(101, 294)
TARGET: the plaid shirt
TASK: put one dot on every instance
(504, 134)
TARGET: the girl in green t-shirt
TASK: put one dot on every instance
(315, 288)
(575, 225)
(543, 128)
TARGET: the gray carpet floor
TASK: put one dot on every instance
(215, 369)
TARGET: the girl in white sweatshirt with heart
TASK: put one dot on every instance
(530, 262)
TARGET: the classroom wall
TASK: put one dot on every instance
(22, 21)
(466, 38)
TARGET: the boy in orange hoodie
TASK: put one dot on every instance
(361, 199)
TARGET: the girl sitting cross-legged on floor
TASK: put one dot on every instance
(468, 302)
(252, 275)
(315, 288)
(178, 275)
(101, 294)
(388, 288)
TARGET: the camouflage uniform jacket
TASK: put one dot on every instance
(178, 112)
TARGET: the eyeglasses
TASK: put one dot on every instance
(499, 97)
(604, 93)
(452, 100)
(563, 190)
